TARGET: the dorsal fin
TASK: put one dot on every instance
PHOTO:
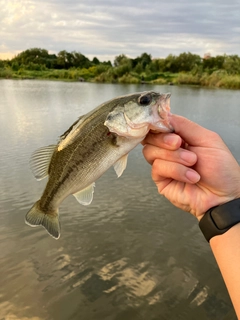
(64, 135)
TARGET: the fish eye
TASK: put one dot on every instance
(145, 100)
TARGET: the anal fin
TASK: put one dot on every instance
(85, 196)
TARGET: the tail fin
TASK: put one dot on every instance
(36, 217)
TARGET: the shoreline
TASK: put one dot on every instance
(217, 79)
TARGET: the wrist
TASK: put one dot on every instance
(226, 250)
(220, 219)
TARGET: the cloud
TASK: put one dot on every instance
(106, 28)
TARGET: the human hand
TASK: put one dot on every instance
(193, 168)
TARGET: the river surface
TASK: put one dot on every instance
(130, 254)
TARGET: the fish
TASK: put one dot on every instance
(96, 141)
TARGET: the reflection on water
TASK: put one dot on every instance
(130, 254)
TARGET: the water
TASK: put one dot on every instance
(130, 254)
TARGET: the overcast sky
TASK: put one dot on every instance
(106, 28)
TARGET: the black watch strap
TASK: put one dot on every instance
(220, 219)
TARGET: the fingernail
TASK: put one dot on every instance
(170, 139)
(193, 176)
(188, 156)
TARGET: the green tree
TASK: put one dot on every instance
(213, 63)
(66, 60)
(145, 60)
(160, 63)
(34, 55)
(154, 66)
(15, 66)
(62, 59)
(1, 64)
(107, 63)
(232, 64)
(51, 61)
(79, 60)
(138, 68)
(170, 64)
(34, 66)
(95, 61)
(120, 60)
(187, 61)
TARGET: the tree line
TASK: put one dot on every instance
(40, 59)
(185, 68)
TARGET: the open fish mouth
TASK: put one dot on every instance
(164, 106)
(162, 111)
(155, 119)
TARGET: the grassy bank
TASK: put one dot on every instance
(54, 74)
(219, 79)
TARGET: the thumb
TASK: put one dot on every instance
(192, 133)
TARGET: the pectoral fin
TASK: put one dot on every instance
(85, 196)
(120, 165)
(40, 160)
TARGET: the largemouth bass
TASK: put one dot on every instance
(96, 141)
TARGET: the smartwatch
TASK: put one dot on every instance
(220, 219)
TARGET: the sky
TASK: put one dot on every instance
(107, 28)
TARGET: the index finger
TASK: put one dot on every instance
(170, 141)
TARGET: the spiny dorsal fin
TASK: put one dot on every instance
(67, 137)
(120, 165)
(85, 196)
(63, 136)
(40, 160)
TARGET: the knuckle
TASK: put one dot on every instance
(155, 166)
(147, 152)
(145, 149)
(215, 136)
(172, 170)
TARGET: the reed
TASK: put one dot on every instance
(230, 82)
(188, 78)
(218, 79)
(106, 74)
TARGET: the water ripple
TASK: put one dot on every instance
(130, 254)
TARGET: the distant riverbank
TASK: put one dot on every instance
(184, 69)
(218, 79)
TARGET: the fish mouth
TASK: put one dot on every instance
(163, 112)
(164, 105)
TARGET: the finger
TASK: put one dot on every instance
(185, 157)
(170, 141)
(192, 133)
(162, 169)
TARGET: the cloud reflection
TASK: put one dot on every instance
(136, 283)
